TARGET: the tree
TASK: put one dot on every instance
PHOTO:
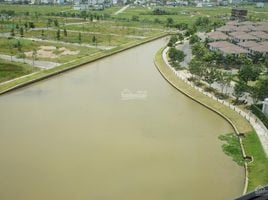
(239, 90)
(194, 39)
(210, 74)
(176, 55)
(49, 21)
(83, 14)
(65, 32)
(34, 55)
(248, 73)
(26, 26)
(23, 56)
(18, 45)
(199, 50)
(202, 21)
(21, 32)
(58, 34)
(196, 68)
(224, 79)
(94, 40)
(260, 90)
(180, 36)
(79, 37)
(170, 22)
(257, 57)
(42, 33)
(56, 23)
(31, 25)
(135, 18)
(172, 41)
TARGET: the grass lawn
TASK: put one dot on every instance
(258, 173)
(11, 70)
(73, 37)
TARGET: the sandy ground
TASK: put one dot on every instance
(52, 52)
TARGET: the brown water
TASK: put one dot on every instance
(72, 137)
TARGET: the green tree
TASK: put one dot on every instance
(18, 45)
(21, 32)
(79, 37)
(94, 39)
(224, 79)
(199, 50)
(194, 39)
(260, 90)
(196, 68)
(12, 32)
(180, 36)
(239, 90)
(65, 32)
(135, 18)
(42, 33)
(56, 23)
(248, 73)
(172, 41)
(34, 55)
(176, 55)
(210, 74)
(58, 34)
(170, 22)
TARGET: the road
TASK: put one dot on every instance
(121, 10)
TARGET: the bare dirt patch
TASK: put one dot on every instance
(52, 52)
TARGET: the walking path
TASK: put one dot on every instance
(121, 10)
(260, 129)
(37, 63)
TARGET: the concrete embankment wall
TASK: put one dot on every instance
(167, 73)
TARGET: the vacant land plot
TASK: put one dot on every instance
(45, 51)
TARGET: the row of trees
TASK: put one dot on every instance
(207, 65)
(209, 73)
(258, 90)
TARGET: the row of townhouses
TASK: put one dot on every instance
(240, 38)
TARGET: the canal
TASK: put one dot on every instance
(112, 130)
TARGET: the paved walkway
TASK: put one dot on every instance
(121, 10)
(260, 129)
(37, 63)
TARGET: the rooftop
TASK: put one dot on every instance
(248, 44)
(260, 48)
(217, 35)
(227, 47)
(227, 28)
(243, 35)
(260, 34)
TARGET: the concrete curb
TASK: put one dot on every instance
(165, 76)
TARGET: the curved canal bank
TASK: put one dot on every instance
(76, 137)
(240, 125)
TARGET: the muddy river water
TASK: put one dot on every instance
(112, 130)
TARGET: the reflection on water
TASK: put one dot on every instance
(74, 137)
